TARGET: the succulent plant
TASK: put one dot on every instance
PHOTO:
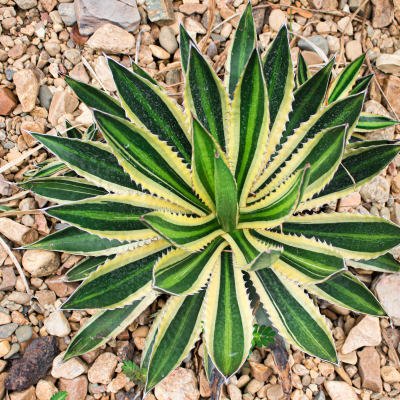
(220, 202)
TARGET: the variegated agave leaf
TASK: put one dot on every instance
(200, 203)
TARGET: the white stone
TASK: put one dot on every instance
(276, 19)
(340, 390)
(388, 291)
(389, 63)
(69, 369)
(57, 324)
(104, 73)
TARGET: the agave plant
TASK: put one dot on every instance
(220, 202)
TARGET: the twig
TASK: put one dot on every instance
(16, 196)
(211, 10)
(139, 38)
(16, 263)
(19, 159)
(88, 66)
(18, 213)
(341, 54)
(315, 47)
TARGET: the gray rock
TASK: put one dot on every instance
(217, 20)
(320, 395)
(67, 12)
(212, 50)
(317, 40)
(168, 40)
(14, 349)
(10, 72)
(73, 55)
(24, 333)
(92, 14)
(45, 97)
(218, 38)
(173, 77)
(26, 4)
(160, 12)
(7, 330)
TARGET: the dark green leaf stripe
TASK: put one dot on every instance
(82, 270)
(127, 282)
(353, 145)
(178, 331)
(75, 241)
(63, 190)
(150, 107)
(241, 48)
(345, 81)
(95, 98)
(250, 123)
(72, 133)
(278, 73)
(361, 84)
(184, 231)
(363, 165)
(49, 169)
(354, 235)
(185, 41)
(227, 318)
(372, 122)
(293, 313)
(139, 153)
(91, 161)
(385, 263)
(105, 325)
(303, 72)
(109, 216)
(182, 273)
(303, 260)
(206, 96)
(356, 137)
(226, 205)
(345, 290)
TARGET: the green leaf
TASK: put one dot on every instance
(141, 72)
(151, 108)
(180, 272)
(251, 254)
(205, 96)
(361, 84)
(343, 84)
(226, 205)
(178, 331)
(276, 207)
(49, 169)
(118, 282)
(75, 241)
(344, 111)
(72, 133)
(303, 73)
(227, 318)
(358, 167)
(104, 325)
(149, 161)
(279, 77)
(373, 122)
(185, 41)
(183, 231)
(83, 270)
(294, 314)
(114, 216)
(92, 160)
(345, 290)
(59, 396)
(95, 98)
(247, 137)
(385, 263)
(354, 235)
(242, 45)
(90, 133)
(303, 260)
(63, 190)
